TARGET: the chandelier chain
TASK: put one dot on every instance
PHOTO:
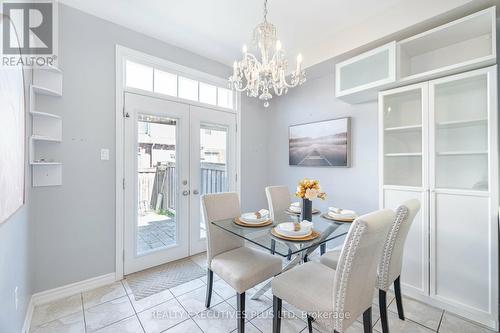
(265, 10)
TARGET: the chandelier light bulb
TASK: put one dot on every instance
(278, 45)
(245, 49)
(299, 59)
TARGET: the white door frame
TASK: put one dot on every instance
(122, 54)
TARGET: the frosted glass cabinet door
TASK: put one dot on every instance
(402, 115)
(460, 111)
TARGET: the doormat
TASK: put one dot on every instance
(156, 279)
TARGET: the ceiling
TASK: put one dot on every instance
(217, 29)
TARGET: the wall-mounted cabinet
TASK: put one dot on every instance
(360, 78)
(459, 46)
(46, 129)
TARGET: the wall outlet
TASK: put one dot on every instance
(16, 297)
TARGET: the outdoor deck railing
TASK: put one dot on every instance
(157, 185)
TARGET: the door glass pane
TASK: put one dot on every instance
(165, 83)
(403, 138)
(213, 162)
(156, 195)
(188, 89)
(139, 76)
(208, 93)
(461, 139)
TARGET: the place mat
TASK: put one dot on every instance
(154, 280)
(314, 212)
(328, 217)
(239, 222)
(312, 236)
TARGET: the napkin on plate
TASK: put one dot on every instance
(341, 213)
(263, 213)
(296, 227)
(295, 207)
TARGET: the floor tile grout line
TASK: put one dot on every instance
(440, 321)
(133, 308)
(189, 316)
(83, 312)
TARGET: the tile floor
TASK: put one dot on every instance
(113, 309)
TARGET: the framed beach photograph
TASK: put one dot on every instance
(323, 143)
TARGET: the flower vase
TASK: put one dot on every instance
(306, 210)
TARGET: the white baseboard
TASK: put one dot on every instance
(27, 318)
(64, 291)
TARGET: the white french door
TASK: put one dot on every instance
(174, 153)
(212, 164)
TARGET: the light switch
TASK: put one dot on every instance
(104, 154)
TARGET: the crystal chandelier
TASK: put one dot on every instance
(260, 78)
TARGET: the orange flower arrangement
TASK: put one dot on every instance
(309, 189)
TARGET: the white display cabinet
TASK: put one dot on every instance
(359, 79)
(46, 128)
(439, 143)
(458, 46)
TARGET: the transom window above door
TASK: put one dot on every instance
(148, 78)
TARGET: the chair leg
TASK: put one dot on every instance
(276, 314)
(399, 299)
(367, 320)
(322, 249)
(210, 283)
(382, 301)
(289, 257)
(310, 323)
(240, 312)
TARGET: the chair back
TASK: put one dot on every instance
(391, 261)
(220, 206)
(356, 272)
(278, 199)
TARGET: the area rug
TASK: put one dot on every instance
(163, 277)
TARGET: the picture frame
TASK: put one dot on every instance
(325, 143)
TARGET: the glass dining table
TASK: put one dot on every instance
(297, 252)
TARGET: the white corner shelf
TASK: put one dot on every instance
(461, 45)
(44, 114)
(46, 91)
(46, 127)
(45, 138)
(35, 163)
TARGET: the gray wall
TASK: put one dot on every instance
(355, 187)
(15, 256)
(14, 270)
(74, 224)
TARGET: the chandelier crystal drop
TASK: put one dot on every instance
(261, 78)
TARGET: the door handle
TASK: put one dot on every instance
(185, 192)
(195, 192)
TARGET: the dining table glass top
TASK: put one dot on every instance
(328, 230)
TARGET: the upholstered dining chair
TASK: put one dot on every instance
(334, 298)
(240, 266)
(391, 262)
(278, 199)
